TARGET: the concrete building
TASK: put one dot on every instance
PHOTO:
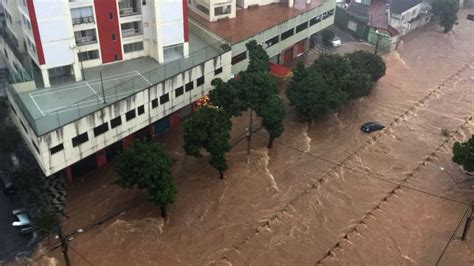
(407, 15)
(107, 71)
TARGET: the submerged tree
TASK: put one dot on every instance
(446, 12)
(208, 129)
(147, 166)
(273, 113)
(463, 154)
(369, 63)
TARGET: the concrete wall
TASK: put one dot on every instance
(276, 49)
(52, 163)
(401, 23)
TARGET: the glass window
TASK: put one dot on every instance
(56, 149)
(238, 58)
(179, 91)
(173, 52)
(116, 122)
(301, 27)
(287, 34)
(132, 47)
(141, 109)
(79, 139)
(189, 86)
(200, 81)
(154, 103)
(130, 115)
(272, 41)
(164, 98)
(88, 55)
(99, 130)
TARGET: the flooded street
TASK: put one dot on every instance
(326, 193)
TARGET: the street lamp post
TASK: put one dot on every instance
(377, 42)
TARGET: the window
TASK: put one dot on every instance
(238, 58)
(179, 91)
(331, 12)
(116, 58)
(132, 47)
(89, 55)
(218, 71)
(287, 34)
(116, 122)
(272, 41)
(113, 37)
(56, 149)
(173, 52)
(85, 37)
(164, 98)
(82, 15)
(315, 20)
(130, 115)
(189, 86)
(141, 110)
(79, 139)
(13, 109)
(200, 81)
(301, 27)
(144, 2)
(99, 130)
(325, 15)
(111, 16)
(154, 103)
(23, 126)
(36, 147)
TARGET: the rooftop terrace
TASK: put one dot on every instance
(52, 108)
(251, 21)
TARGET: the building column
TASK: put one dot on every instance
(186, 49)
(77, 71)
(68, 174)
(291, 3)
(101, 157)
(45, 75)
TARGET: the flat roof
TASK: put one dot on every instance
(253, 20)
(51, 108)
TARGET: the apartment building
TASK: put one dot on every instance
(107, 71)
(63, 37)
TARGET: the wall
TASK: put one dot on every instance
(51, 164)
(106, 27)
(289, 42)
(171, 22)
(342, 19)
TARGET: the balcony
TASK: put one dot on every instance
(85, 37)
(131, 29)
(129, 8)
(82, 20)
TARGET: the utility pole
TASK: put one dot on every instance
(249, 136)
(102, 84)
(469, 219)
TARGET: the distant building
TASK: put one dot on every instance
(406, 15)
(89, 76)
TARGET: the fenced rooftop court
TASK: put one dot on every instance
(253, 20)
(52, 108)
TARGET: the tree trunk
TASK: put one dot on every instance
(64, 247)
(163, 211)
(249, 136)
(270, 143)
(221, 173)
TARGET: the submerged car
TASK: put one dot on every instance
(371, 127)
(23, 222)
(7, 184)
(336, 42)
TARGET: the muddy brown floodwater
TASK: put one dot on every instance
(325, 193)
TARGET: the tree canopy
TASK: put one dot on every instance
(209, 129)
(331, 81)
(147, 166)
(446, 11)
(463, 154)
(273, 113)
(369, 63)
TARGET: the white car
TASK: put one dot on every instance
(336, 42)
(23, 218)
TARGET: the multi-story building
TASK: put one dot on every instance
(100, 72)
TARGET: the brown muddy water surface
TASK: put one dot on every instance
(325, 193)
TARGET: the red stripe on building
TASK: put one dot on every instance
(36, 34)
(108, 29)
(185, 21)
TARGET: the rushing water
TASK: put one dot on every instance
(326, 193)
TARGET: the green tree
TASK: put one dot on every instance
(147, 166)
(249, 91)
(446, 12)
(369, 63)
(338, 72)
(463, 154)
(208, 129)
(312, 96)
(273, 113)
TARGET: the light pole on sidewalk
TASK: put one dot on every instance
(377, 42)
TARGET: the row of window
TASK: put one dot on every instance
(130, 115)
(94, 54)
(287, 34)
